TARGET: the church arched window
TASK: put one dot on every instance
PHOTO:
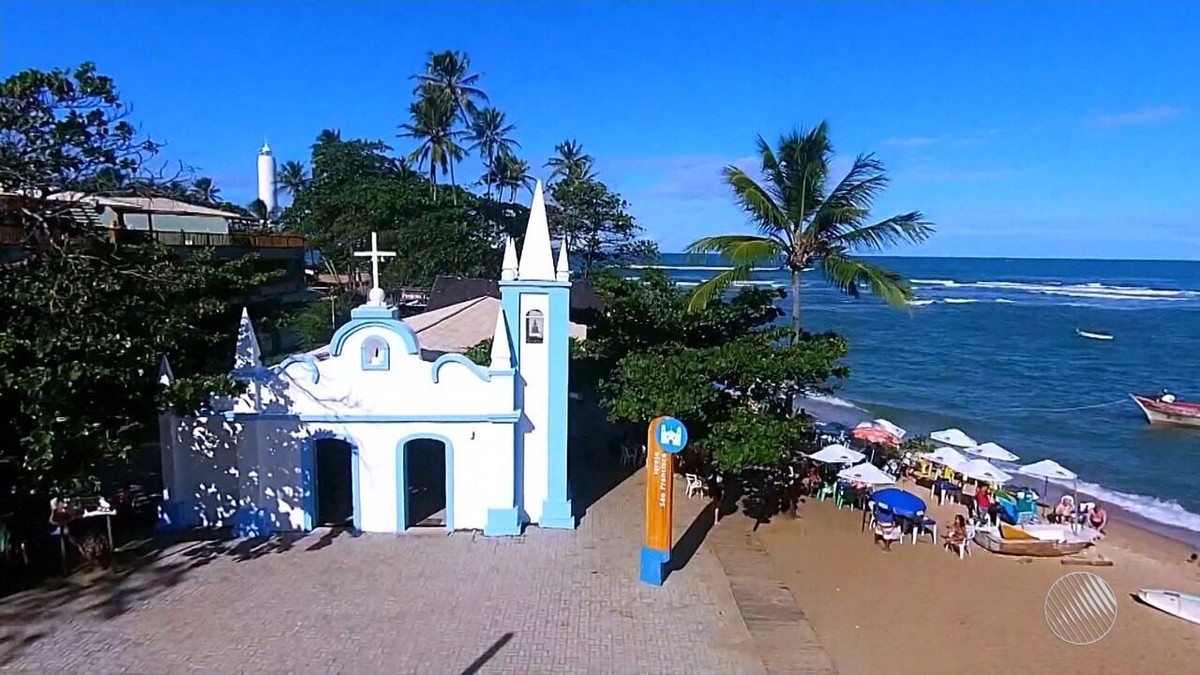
(535, 327)
(375, 354)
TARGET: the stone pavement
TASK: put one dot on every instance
(547, 602)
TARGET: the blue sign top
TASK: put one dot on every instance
(671, 435)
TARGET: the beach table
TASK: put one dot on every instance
(944, 488)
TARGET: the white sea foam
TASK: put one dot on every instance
(828, 399)
(698, 268)
(960, 301)
(935, 282)
(921, 303)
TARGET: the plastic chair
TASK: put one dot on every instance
(694, 484)
(964, 549)
(827, 490)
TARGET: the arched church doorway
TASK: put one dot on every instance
(334, 483)
(425, 483)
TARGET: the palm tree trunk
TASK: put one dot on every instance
(490, 168)
(795, 305)
(454, 193)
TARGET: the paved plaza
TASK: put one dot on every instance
(547, 602)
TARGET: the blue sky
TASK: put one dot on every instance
(1019, 128)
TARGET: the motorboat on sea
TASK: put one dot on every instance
(1166, 409)
(1093, 335)
(1182, 605)
(1034, 540)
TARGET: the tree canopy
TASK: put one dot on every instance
(87, 321)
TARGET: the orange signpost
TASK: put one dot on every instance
(665, 437)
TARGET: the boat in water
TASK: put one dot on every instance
(1093, 335)
(1166, 409)
(1034, 541)
(1182, 605)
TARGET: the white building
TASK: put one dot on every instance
(367, 432)
(267, 187)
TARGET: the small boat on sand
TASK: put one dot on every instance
(1182, 605)
(1034, 541)
(1093, 335)
(1166, 409)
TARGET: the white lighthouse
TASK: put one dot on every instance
(266, 176)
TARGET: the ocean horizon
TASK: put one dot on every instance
(989, 346)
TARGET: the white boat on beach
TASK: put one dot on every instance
(1182, 605)
(1093, 335)
(1034, 541)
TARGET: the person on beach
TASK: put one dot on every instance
(886, 530)
(956, 533)
(983, 503)
(1098, 518)
(1065, 511)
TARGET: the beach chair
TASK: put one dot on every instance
(928, 526)
(694, 484)
(964, 549)
(827, 490)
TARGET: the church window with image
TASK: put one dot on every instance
(535, 325)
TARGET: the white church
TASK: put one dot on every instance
(367, 433)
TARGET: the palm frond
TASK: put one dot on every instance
(906, 228)
(763, 207)
(714, 287)
(849, 275)
(741, 249)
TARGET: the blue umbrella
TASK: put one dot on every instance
(900, 502)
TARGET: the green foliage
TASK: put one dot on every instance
(481, 354)
(727, 371)
(805, 219)
(357, 189)
(80, 351)
(316, 322)
(597, 223)
(86, 323)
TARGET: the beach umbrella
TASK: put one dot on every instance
(866, 473)
(873, 434)
(1047, 469)
(900, 502)
(983, 470)
(889, 427)
(837, 454)
(993, 452)
(953, 437)
(945, 456)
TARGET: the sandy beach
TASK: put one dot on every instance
(920, 609)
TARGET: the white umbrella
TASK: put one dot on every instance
(1047, 469)
(890, 428)
(837, 454)
(993, 452)
(981, 469)
(953, 437)
(946, 457)
(866, 473)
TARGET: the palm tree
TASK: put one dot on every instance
(204, 190)
(293, 177)
(448, 72)
(512, 174)
(489, 135)
(433, 127)
(803, 220)
(571, 162)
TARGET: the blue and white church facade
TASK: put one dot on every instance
(255, 462)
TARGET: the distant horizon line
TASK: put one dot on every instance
(985, 257)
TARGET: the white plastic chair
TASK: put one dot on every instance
(627, 456)
(694, 484)
(964, 549)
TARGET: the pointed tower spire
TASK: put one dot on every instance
(508, 270)
(537, 260)
(165, 376)
(501, 347)
(562, 272)
(247, 354)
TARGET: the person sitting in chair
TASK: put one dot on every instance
(1064, 512)
(1098, 518)
(956, 533)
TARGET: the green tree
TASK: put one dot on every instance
(725, 370)
(204, 190)
(489, 135)
(597, 224)
(85, 321)
(293, 176)
(449, 73)
(512, 174)
(805, 220)
(570, 162)
(432, 126)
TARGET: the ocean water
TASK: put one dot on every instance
(990, 347)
